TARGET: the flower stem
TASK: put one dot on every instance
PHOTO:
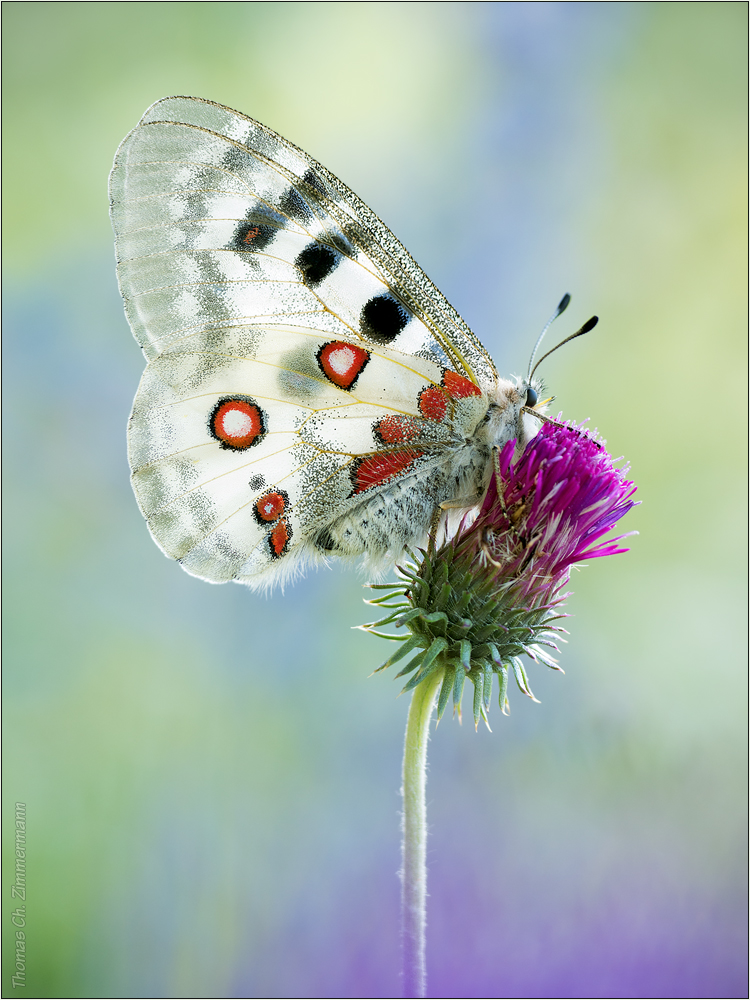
(414, 826)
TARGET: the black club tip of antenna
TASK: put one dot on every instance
(589, 325)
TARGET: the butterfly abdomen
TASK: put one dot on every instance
(401, 513)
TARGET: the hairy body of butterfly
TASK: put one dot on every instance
(309, 392)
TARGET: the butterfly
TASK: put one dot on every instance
(309, 392)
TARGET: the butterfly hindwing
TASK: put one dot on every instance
(306, 381)
(327, 423)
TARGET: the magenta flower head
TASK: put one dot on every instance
(478, 602)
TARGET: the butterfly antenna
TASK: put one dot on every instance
(562, 306)
(588, 325)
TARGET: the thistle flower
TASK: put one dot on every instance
(494, 591)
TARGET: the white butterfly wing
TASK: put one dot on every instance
(192, 170)
(289, 337)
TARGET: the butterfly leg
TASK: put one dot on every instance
(461, 502)
(435, 520)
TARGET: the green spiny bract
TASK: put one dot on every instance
(463, 623)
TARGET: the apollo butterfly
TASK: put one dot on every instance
(308, 392)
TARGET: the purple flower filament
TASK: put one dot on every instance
(551, 506)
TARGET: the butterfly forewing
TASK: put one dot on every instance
(302, 367)
(193, 156)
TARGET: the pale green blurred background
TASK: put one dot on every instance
(211, 777)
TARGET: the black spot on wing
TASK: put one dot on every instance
(382, 319)
(293, 206)
(250, 236)
(316, 262)
(312, 180)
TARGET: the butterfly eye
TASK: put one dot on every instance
(531, 397)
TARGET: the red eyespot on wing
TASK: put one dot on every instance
(279, 538)
(376, 469)
(342, 363)
(460, 387)
(251, 234)
(396, 429)
(270, 506)
(433, 403)
(237, 422)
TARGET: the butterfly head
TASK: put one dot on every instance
(519, 403)
(513, 405)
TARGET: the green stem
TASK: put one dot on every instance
(414, 872)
